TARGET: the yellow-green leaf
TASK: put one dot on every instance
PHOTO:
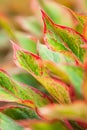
(69, 37)
(35, 66)
(25, 95)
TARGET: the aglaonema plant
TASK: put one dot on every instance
(60, 66)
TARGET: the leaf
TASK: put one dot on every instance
(62, 66)
(8, 124)
(30, 24)
(28, 79)
(20, 113)
(85, 31)
(50, 6)
(27, 42)
(70, 74)
(48, 126)
(82, 19)
(5, 96)
(56, 57)
(35, 66)
(70, 37)
(56, 45)
(27, 96)
(75, 111)
(5, 23)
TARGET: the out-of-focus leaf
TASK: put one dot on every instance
(27, 96)
(3, 39)
(67, 2)
(4, 22)
(50, 6)
(85, 31)
(26, 42)
(75, 111)
(30, 24)
(48, 126)
(82, 19)
(70, 37)
(34, 65)
(8, 124)
(84, 85)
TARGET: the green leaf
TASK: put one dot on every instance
(82, 19)
(35, 66)
(27, 96)
(75, 111)
(50, 6)
(56, 57)
(48, 126)
(30, 24)
(28, 79)
(75, 75)
(8, 124)
(71, 39)
(20, 113)
(26, 42)
(70, 74)
(62, 66)
(5, 96)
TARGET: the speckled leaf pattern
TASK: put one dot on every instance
(20, 113)
(35, 66)
(25, 95)
(62, 66)
(5, 96)
(72, 75)
(69, 37)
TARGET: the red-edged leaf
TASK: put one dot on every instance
(69, 37)
(85, 31)
(35, 66)
(25, 95)
(82, 19)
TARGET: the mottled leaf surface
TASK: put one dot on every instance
(69, 37)
(35, 66)
(70, 74)
(20, 113)
(26, 95)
